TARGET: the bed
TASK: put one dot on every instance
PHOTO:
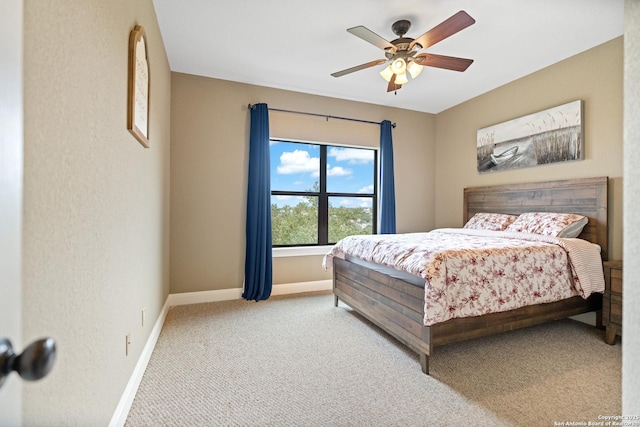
(394, 303)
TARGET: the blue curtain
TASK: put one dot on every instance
(387, 187)
(257, 265)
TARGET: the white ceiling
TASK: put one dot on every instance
(296, 44)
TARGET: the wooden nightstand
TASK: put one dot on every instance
(612, 301)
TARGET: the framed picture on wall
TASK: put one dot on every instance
(549, 136)
(139, 86)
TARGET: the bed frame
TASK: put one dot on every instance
(397, 307)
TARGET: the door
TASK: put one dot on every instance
(11, 169)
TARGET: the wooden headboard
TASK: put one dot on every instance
(584, 196)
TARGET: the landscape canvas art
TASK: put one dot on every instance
(549, 136)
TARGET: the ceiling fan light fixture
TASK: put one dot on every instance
(387, 73)
(401, 79)
(398, 66)
(400, 54)
(414, 69)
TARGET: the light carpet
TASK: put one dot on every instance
(298, 360)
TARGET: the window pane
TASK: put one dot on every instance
(349, 216)
(294, 166)
(350, 170)
(348, 192)
(294, 220)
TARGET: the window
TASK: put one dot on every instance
(321, 193)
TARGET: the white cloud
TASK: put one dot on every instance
(298, 161)
(352, 155)
(338, 171)
(366, 190)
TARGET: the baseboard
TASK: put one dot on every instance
(236, 293)
(204, 296)
(122, 410)
(588, 318)
(296, 288)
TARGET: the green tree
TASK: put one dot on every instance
(294, 225)
(344, 221)
(298, 225)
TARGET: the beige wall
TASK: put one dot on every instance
(96, 203)
(631, 300)
(209, 155)
(594, 76)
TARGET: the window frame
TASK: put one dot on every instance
(323, 195)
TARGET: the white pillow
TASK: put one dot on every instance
(574, 229)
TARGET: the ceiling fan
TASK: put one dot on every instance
(402, 51)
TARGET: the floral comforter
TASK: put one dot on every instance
(473, 272)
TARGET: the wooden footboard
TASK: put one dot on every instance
(397, 307)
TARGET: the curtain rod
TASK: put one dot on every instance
(327, 116)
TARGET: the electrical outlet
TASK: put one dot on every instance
(143, 317)
(127, 344)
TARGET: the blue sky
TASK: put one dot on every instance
(295, 167)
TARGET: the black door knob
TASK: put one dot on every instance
(35, 362)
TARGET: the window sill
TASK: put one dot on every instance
(300, 251)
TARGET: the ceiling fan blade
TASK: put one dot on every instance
(392, 86)
(369, 36)
(449, 27)
(441, 61)
(359, 67)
